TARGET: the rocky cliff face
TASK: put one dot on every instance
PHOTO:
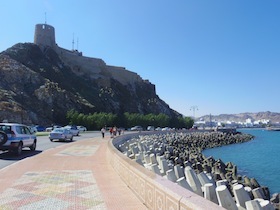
(38, 87)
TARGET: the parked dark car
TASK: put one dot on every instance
(40, 128)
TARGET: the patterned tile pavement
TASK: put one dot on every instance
(79, 150)
(53, 190)
(76, 176)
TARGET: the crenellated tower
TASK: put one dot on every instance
(44, 35)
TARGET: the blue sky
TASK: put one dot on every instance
(221, 56)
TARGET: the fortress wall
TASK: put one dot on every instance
(93, 66)
(81, 64)
(155, 191)
(124, 76)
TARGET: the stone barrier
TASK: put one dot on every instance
(225, 199)
(155, 191)
(179, 166)
(241, 196)
(209, 192)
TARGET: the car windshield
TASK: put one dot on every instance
(58, 130)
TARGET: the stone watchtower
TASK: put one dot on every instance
(44, 35)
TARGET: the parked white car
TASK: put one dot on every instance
(49, 129)
(61, 134)
(82, 128)
(137, 128)
(150, 128)
(73, 129)
(14, 137)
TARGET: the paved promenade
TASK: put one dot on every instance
(71, 176)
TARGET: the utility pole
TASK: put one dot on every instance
(194, 108)
(73, 43)
(45, 18)
(21, 111)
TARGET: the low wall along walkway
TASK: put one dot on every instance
(168, 171)
(155, 191)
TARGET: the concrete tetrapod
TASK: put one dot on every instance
(138, 159)
(204, 179)
(184, 149)
(179, 171)
(258, 193)
(266, 205)
(171, 175)
(153, 159)
(147, 159)
(193, 180)
(253, 205)
(183, 183)
(221, 182)
(210, 193)
(241, 195)
(155, 169)
(163, 165)
(225, 199)
(249, 191)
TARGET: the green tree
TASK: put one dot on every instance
(162, 120)
(188, 122)
(96, 121)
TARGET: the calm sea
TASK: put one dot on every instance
(259, 158)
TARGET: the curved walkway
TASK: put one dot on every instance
(72, 176)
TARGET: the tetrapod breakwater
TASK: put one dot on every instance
(178, 157)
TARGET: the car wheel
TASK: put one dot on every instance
(3, 138)
(51, 139)
(19, 149)
(33, 146)
(71, 139)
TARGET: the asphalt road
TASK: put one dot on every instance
(43, 143)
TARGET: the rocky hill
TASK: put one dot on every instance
(38, 87)
(272, 116)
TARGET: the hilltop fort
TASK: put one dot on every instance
(40, 82)
(45, 37)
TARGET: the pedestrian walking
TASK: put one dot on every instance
(111, 132)
(119, 131)
(103, 130)
(114, 131)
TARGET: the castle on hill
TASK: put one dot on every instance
(81, 65)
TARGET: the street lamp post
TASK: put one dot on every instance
(21, 111)
(194, 108)
(52, 116)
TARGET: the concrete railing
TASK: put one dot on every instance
(155, 191)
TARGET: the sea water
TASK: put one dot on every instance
(259, 158)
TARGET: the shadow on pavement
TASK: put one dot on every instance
(62, 141)
(12, 156)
